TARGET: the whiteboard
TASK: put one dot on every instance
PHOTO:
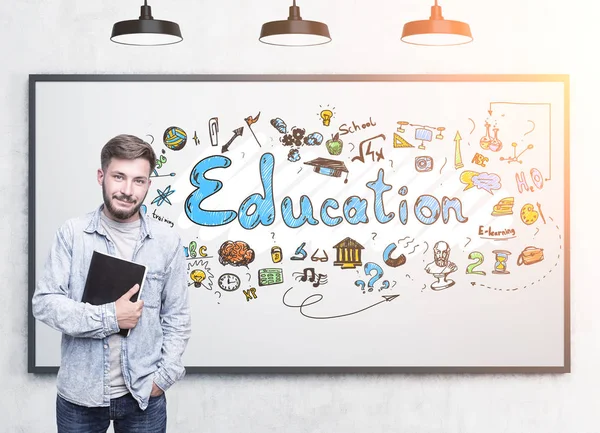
(333, 222)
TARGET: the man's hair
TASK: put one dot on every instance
(127, 147)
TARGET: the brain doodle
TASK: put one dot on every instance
(236, 253)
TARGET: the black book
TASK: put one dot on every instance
(109, 278)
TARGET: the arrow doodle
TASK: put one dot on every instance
(306, 302)
(236, 133)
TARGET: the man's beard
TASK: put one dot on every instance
(441, 261)
(117, 213)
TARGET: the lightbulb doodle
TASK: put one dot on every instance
(200, 274)
(326, 115)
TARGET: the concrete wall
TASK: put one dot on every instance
(511, 36)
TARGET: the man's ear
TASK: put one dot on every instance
(100, 176)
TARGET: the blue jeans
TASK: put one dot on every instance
(124, 411)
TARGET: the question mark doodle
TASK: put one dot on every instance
(533, 129)
(369, 268)
(394, 285)
(424, 286)
(148, 135)
(408, 276)
(392, 163)
(219, 296)
(425, 242)
(299, 170)
(361, 284)
(248, 273)
(468, 242)
(473, 122)
(536, 231)
(374, 236)
(352, 146)
(243, 154)
(273, 236)
(442, 167)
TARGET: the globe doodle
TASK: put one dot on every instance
(174, 138)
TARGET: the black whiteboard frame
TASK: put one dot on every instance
(561, 78)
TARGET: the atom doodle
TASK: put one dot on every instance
(163, 196)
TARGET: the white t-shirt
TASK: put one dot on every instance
(125, 237)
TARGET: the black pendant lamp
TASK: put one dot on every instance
(294, 32)
(146, 30)
(436, 31)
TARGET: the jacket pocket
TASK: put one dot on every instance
(152, 290)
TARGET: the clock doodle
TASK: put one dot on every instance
(229, 282)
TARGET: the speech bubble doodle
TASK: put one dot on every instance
(486, 181)
(466, 177)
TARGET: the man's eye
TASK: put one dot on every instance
(118, 177)
(141, 181)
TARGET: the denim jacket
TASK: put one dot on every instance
(152, 352)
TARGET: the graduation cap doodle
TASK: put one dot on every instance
(329, 167)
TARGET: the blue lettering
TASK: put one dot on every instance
(205, 188)
(455, 204)
(264, 212)
(379, 187)
(431, 204)
(328, 220)
(355, 210)
(306, 212)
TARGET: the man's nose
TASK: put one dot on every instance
(127, 187)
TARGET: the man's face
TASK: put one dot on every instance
(441, 253)
(125, 184)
